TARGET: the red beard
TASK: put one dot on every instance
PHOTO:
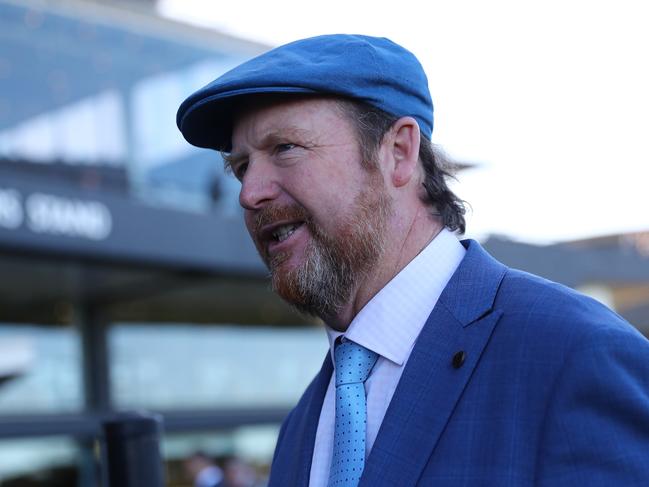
(334, 262)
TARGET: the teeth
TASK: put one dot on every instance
(282, 233)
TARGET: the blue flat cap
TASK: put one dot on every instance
(369, 69)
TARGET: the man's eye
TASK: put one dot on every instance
(285, 147)
(240, 170)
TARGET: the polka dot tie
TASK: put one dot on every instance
(353, 366)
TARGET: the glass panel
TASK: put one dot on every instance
(37, 462)
(243, 453)
(183, 367)
(40, 369)
(104, 95)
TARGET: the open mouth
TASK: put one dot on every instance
(273, 227)
(283, 232)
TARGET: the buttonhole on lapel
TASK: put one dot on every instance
(458, 359)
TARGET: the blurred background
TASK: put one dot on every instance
(128, 279)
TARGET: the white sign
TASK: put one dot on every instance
(11, 209)
(55, 215)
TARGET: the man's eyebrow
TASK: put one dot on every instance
(291, 131)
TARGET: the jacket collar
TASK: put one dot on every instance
(430, 387)
(471, 292)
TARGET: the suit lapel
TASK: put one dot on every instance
(430, 387)
(308, 420)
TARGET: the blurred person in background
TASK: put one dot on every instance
(238, 473)
(445, 367)
(203, 471)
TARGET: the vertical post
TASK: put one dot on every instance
(90, 473)
(93, 327)
(93, 330)
(131, 450)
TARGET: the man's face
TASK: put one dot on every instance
(316, 215)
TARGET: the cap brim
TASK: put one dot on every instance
(206, 121)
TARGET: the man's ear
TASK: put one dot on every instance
(403, 150)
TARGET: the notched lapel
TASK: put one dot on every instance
(294, 466)
(425, 398)
(432, 382)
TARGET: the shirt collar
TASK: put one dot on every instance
(391, 321)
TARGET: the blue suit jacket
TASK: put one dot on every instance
(553, 391)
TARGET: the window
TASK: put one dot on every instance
(41, 462)
(168, 367)
(40, 369)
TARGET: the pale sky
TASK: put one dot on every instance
(550, 98)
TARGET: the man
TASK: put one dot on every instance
(450, 369)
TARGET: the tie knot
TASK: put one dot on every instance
(353, 362)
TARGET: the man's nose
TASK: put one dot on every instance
(258, 186)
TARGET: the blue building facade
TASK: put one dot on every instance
(129, 279)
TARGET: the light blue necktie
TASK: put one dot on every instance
(353, 365)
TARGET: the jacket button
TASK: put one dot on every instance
(458, 359)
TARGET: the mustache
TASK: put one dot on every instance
(275, 213)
